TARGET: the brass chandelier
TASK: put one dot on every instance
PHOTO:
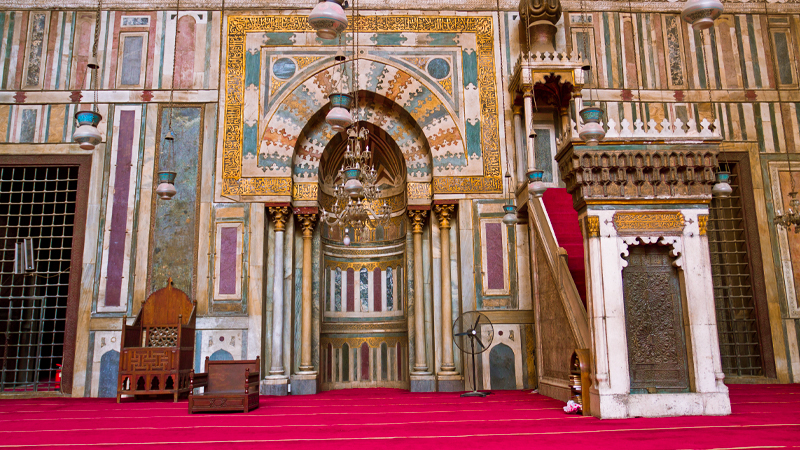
(355, 190)
(356, 205)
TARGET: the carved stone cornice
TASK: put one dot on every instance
(417, 219)
(658, 174)
(280, 214)
(307, 223)
(444, 213)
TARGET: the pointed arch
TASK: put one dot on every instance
(436, 145)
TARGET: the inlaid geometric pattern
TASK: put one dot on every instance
(449, 148)
(150, 359)
(162, 337)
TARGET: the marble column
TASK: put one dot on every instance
(305, 381)
(422, 379)
(277, 382)
(528, 104)
(520, 148)
(449, 380)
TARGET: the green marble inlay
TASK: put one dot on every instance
(388, 39)
(173, 242)
(469, 62)
(782, 52)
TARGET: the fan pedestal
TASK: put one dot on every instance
(475, 394)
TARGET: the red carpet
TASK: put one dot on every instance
(567, 229)
(763, 415)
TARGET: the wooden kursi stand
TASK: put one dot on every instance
(227, 386)
(158, 349)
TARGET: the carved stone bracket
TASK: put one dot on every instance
(668, 173)
(445, 213)
(417, 219)
(674, 241)
(280, 214)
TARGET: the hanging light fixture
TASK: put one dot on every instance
(356, 193)
(355, 190)
(536, 184)
(166, 173)
(701, 14)
(592, 131)
(166, 166)
(328, 18)
(722, 188)
(792, 216)
(339, 116)
(510, 217)
(87, 134)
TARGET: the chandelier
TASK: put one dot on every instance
(355, 190)
(792, 216)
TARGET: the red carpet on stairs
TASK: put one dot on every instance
(763, 416)
(566, 227)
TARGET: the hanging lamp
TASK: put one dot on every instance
(536, 184)
(328, 18)
(87, 134)
(510, 217)
(339, 116)
(592, 131)
(792, 216)
(166, 167)
(722, 188)
(701, 14)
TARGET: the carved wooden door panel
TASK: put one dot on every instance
(653, 322)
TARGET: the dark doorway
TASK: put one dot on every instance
(42, 213)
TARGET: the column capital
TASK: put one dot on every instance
(280, 214)
(417, 219)
(517, 109)
(307, 222)
(445, 213)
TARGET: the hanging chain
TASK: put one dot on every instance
(96, 43)
(502, 88)
(174, 63)
(640, 106)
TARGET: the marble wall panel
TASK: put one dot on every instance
(174, 239)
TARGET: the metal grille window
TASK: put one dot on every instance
(37, 204)
(733, 291)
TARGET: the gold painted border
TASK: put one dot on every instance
(239, 26)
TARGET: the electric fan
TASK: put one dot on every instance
(473, 333)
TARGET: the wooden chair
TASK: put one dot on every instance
(157, 351)
(228, 386)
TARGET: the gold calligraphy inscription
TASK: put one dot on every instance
(369, 265)
(304, 191)
(649, 222)
(239, 26)
(419, 191)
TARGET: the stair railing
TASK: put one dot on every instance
(568, 292)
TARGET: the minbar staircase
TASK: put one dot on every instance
(567, 230)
